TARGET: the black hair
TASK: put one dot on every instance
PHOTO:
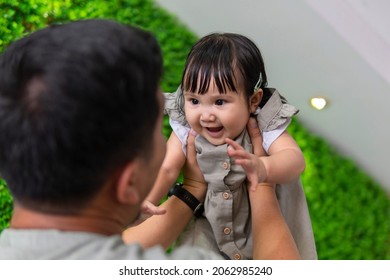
(229, 59)
(77, 101)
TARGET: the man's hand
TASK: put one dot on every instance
(193, 178)
(256, 138)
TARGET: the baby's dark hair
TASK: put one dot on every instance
(222, 57)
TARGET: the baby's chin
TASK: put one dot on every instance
(215, 141)
(218, 143)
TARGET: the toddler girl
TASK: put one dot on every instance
(224, 83)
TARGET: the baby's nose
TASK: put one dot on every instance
(207, 116)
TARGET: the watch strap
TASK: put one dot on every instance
(196, 206)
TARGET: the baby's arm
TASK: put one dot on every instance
(285, 161)
(173, 162)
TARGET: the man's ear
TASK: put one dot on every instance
(255, 99)
(126, 189)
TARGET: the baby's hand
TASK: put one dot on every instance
(148, 208)
(252, 165)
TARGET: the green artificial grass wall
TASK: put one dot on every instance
(5, 205)
(350, 212)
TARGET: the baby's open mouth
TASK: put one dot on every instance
(214, 129)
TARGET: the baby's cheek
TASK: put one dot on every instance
(192, 121)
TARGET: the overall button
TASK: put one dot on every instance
(237, 256)
(226, 230)
(225, 195)
(225, 165)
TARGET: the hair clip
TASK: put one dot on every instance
(258, 84)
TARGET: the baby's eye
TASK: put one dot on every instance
(194, 101)
(220, 102)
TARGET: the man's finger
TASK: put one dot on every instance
(191, 151)
(256, 138)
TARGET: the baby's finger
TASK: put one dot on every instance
(150, 209)
(236, 154)
(159, 211)
(234, 144)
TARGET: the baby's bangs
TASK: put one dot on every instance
(198, 74)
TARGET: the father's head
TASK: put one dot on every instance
(78, 102)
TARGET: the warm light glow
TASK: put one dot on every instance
(318, 103)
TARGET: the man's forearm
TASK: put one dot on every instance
(164, 229)
(271, 236)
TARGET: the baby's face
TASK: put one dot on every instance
(216, 116)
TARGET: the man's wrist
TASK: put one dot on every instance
(185, 195)
(196, 188)
(263, 172)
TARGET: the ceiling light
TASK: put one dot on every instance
(318, 103)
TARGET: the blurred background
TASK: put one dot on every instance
(336, 52)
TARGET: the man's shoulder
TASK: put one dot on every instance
(194, 253)
(54, 244)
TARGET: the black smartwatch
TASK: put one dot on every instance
(184, 195)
